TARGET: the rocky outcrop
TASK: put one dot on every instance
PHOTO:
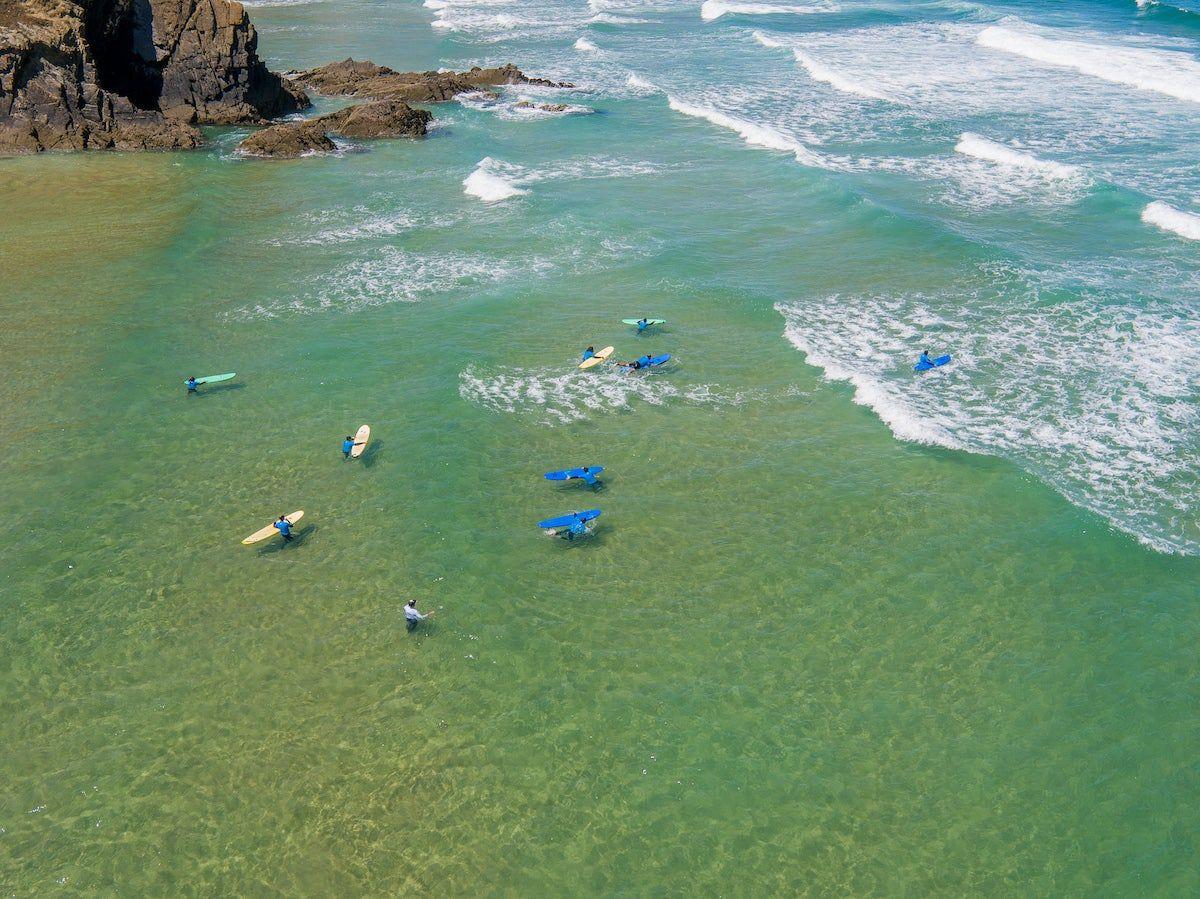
(130, 74)
(382, 118)
(288, 140)
(351, 78)
(366, 121)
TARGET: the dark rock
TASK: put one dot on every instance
(544, 107)
(351, 78)
(381, 118)
(130, 74)
(366, 121)
(288, 140)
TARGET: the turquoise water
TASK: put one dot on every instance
(840, 630)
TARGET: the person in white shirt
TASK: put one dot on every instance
(412, 617)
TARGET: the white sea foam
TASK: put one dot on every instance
(518, 106)
(566, 394)
(640, 84)
(488, 186)
(1165, 72)
(607, 18)
(715, 9)
(754, 134)
(583, 45)
(1050, 383)
(391, 275)
(818, 71)
(1168, 218)
(981, 148)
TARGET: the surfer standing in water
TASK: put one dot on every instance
(413, 617)
(643, 324)
(193, 385)
(589, 353)
(284, 527)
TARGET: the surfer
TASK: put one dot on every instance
(193, 385)
(577, 528)
(643, 324)
(348, 445)
(412, 617)
(589, 353)
(284, 527)
(925, 360)
(588, 478)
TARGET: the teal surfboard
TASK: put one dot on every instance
(213, 379)
(649, 321)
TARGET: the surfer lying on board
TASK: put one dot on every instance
(285, 528)
(589, 353)
(348, 445)
(587, 477)
(193, 385)
(577, 528)
(642, 362)
(412, 617)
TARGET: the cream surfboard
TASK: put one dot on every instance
(598, 358)
(270, 530)
(361, 436)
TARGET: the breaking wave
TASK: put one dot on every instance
(1168, 218)
(1165, 72)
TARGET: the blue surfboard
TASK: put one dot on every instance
(569, 473)
(564, 521)
(665, 357)
(936, 363)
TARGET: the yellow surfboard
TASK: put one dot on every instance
(361, 436)
(270, 530)
(598, 358)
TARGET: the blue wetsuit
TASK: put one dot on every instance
(589, 478)
(347, 445)
(587, 354)
(577, 528)
(285, 528)
(643, 325)
(192, 385)
(924, 360)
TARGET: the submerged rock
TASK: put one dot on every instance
(353, 78)
(130, 74)
(544, 107)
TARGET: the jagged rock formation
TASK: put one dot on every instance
(351, 78)
(369, 121)
(130, 74)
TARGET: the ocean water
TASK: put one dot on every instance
(841, 630)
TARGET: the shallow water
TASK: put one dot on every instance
(840, 630)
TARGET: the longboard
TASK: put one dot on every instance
(213, 379)
(651, 362)
(361, 436)
(649, 321)
(270, 530)
(936, 363)
(564, 521)
(568, 473)
(598, 358)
